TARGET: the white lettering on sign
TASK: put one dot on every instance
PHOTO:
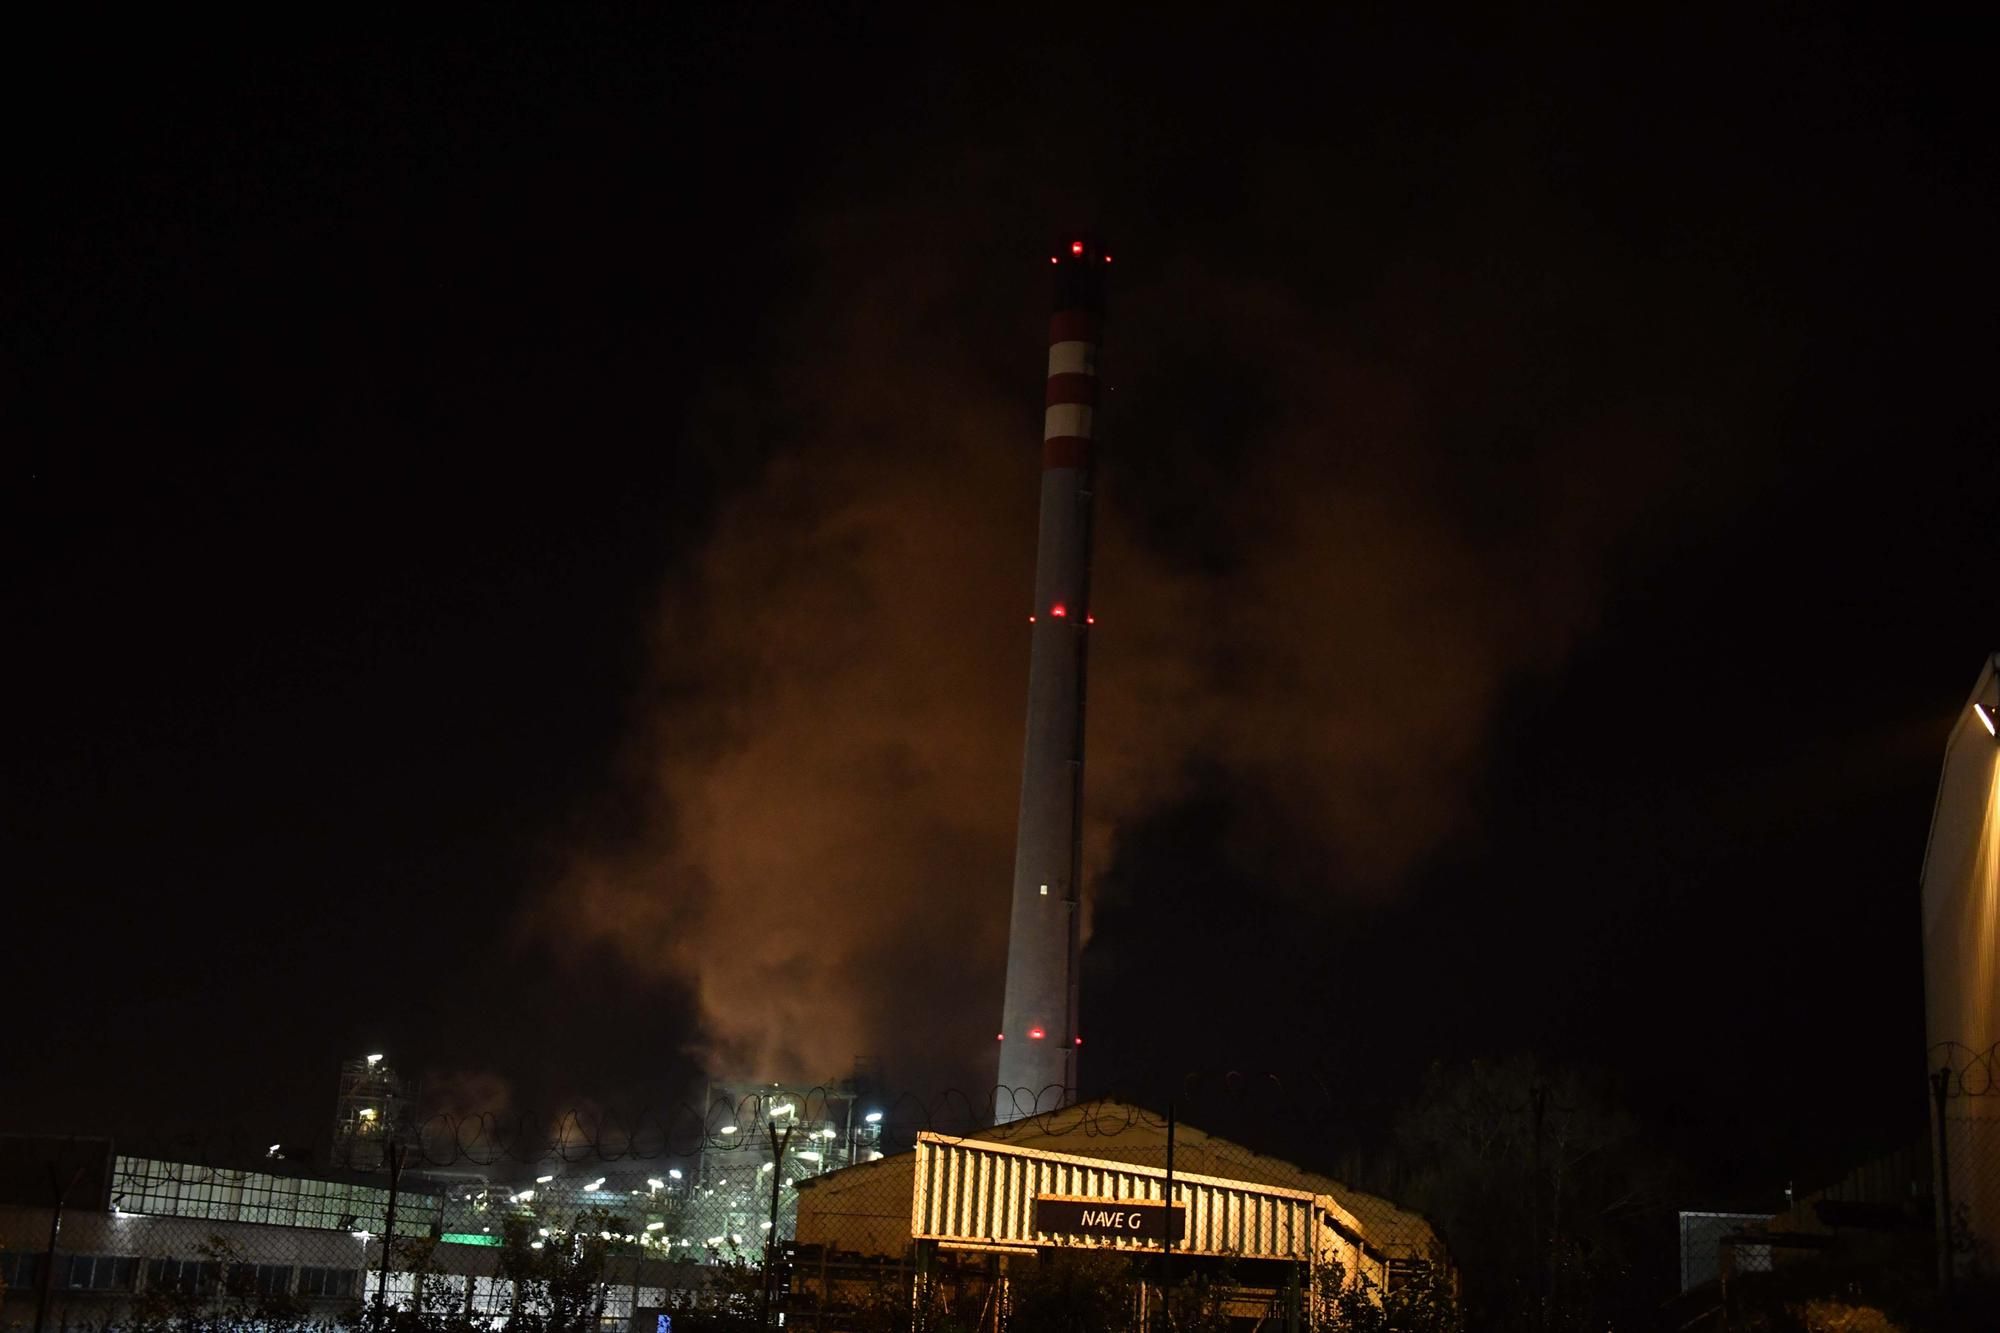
(1113, 1218)
(1139, 1219)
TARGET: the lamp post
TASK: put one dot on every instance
(873, 1118)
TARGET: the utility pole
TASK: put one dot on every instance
(1538, 1100)
(1167, 1230)
(46, 1279)
(389, 1225)
(1940, 1091)
(778, 1146)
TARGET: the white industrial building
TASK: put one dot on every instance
(1961, 914)
(975, 1203)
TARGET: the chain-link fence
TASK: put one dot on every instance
(1904, 1240)
(1965, 1136)
(782, 1209)
(1506, 1201)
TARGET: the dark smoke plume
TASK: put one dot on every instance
(1337, 522)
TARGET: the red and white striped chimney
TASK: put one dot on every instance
(1038, 1026)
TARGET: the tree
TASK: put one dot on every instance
(218, 1292)
(728, 1299)
(440, 1304)
(1072, 1291)
(1423, 1302)
(1546, 1195)
(559, 1278)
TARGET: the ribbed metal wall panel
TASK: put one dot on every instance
(978, 1192)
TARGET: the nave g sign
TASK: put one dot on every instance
(1108, 1219)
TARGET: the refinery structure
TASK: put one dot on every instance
(291, 1227)
(374, 1115)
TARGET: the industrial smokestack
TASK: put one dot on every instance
(1038, 1025)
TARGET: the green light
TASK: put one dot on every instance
(468, 1238)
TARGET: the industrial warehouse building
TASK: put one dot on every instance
(1961, 915)
(1093, 1176)
(141, 1238)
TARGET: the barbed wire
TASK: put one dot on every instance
(675, 1201)
(586, 1133)
(1969, 1071)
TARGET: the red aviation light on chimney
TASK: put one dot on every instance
(1054, 260)
(1036, 1034)
(1076, 247)
(1059, 611)
(1090, 620)
(999, 1036)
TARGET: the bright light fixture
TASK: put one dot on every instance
(808, 1156)
(674, 1174)
(873, 1117)
(727, 1129)
(655, 1183)
(274, 1150)
(828, 1133)
(1986, 718)
(543, 1180)
(525, 1196)
(374, 1059)
(596, 1184)
(656, 1226)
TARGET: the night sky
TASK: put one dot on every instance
(522, 551)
